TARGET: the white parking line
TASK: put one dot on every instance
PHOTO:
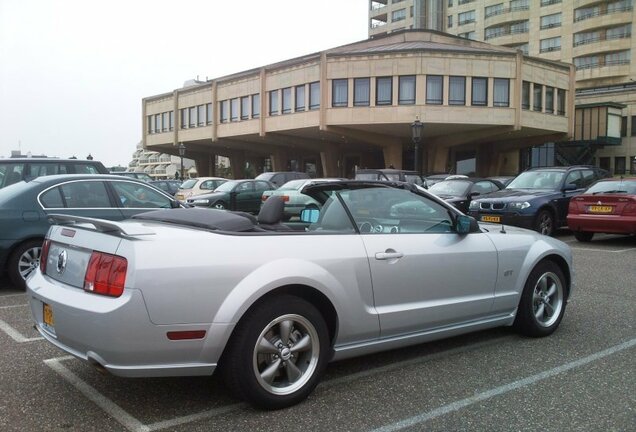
(14, 306)
(604, 250)
(457, 405)
(16, 335)
(12, 295)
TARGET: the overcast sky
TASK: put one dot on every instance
(73, 72)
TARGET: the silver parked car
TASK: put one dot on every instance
(377, 266)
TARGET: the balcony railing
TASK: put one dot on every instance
(550, 49)
(603, 64)
(551, 25)
(506, 32)
(601, 38)
(549, 2)
(600, 13)
(506, 10)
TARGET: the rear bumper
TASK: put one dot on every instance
(117, 334)
(602, 224)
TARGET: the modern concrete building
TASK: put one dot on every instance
(352, 106)
(596, 36)
(160, 165)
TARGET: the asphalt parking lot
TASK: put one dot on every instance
(582, 378)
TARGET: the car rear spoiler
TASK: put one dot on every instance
(101, 225)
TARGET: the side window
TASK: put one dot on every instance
(483, 187)
(245, 187)
(135, 195)
(588, 177)
(574, 177)
(207, 185)
(261, 186)
(85, 194)
(52, 198)
(85, 169)
(44, 169)
(278, 179)
(10, 173)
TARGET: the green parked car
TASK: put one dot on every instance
(24, 207)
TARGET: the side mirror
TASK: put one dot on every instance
(175, 204)
(474, 194)
(309, 215)
(466, 224)
(569, 187)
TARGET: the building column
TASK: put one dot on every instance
(330, 160)
(237, 165)
(393, 155)
(279, 160)
(437, 159)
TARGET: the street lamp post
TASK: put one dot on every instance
(182, 149)
(416, 130)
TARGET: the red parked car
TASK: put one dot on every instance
(608, 206)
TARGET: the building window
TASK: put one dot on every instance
(457, 90)
(164, 122)
(549, 100)
(287, 100)
(256, 105)
(193, 116)
(434, 89)
(361, 91)
(208, 113)
(550, 44)
(398, 15)
(245, 108)
(234, 109)
(479, 91)
(273, 103)
(501, 92)
(157, 123)
(549, 2)
(619, 165)
(450, 3)
(517, 5)
(314, 95)
(468, 35)
(450, 21)
(171, 119)
(537, 92)
(525, 95)
(624, 126)
(201, 115)
(493, 10)
(633, 126)
(551, 21)
(150, 124)
(183, 118)
(340, 93)
(561, 102)
(466, 17)
(520, 27)
(224, 111)
(384, 91)
(406, 90)
(300, 98)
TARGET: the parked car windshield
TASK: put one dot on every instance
(450, 187)
(188, 184)
(226, 187)
(293, 184)
(537, 180)
(613, 186)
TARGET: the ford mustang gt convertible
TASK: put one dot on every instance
(269, 304)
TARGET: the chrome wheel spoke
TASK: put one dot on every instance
(302, 345)
(293, 373)
(550, 309)
(271, 371)
(539, 312)
(552, 290)
(285, 330)
(266, 347)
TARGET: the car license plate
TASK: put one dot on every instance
(495, 219)
(47, 318)
(600, 209)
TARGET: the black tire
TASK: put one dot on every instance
(220, 205)
(542, 302)
(23, 260)
(544, 223)
(583, 236)
(261, 368)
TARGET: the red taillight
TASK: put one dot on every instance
(264, 197)
(186, 334)
(285, 198)
(630, 209)
(44, 254)
(106, 274)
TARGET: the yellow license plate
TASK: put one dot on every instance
(47, 315)
(495, 219)
(600, 209)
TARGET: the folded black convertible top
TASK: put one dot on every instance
(210, 219)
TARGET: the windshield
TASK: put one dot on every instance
(451, 187)
(293, 185)
(265, 176)
(537, 180)
(413, 178)
(613, 186)
(226, 187)
(188, 184)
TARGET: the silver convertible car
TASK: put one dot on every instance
(377, 266)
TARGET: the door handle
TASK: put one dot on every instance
(388, 255)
